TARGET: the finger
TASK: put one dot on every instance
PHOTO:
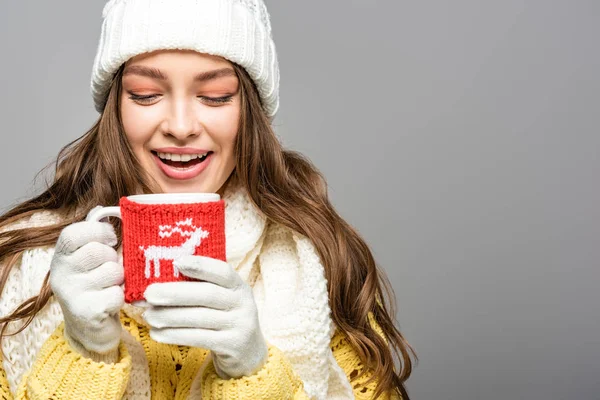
(203, 294)
(187, 317)
(208, 269)
(80, 233)
(113, 299)
(193, 337)
(107, 274)
(91, 256)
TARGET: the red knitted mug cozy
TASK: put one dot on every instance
(156, 234)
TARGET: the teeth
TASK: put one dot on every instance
(180, 157)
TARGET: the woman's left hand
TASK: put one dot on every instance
(217, 313)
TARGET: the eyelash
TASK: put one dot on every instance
(214, 100)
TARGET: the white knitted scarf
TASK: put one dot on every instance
(290, 290)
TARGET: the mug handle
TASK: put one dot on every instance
(99, 212)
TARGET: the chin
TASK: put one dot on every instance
(182, 187)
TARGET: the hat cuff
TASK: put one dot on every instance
(221, 28)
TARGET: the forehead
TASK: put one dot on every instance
(165, 65)
(178, 57)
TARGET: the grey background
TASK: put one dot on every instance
(460, 138)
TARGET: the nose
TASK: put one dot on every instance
(182, 122)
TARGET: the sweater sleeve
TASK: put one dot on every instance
(349, 360)
(61, 373)
(275, 380)
(5, 393)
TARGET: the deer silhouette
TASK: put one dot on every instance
(157, 253)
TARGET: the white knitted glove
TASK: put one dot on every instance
(85, 277)
(218, 314)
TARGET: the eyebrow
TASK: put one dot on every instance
(156, 73)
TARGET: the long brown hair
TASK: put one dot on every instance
(283, 184)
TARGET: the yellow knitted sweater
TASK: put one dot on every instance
(61, 373)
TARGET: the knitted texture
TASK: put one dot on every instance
(156, 234)
(237, 30)
(171, 372)
(353, 367)
(275, 380)
(73, 376)
(5, 393)
(288, 283)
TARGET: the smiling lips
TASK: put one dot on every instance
(181, 163)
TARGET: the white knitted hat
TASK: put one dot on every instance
(238, 30)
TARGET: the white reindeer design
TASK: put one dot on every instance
(158, 253)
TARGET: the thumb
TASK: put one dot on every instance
(189, 265)
(209, 269)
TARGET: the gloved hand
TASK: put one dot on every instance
(85, 277)
(218, 313)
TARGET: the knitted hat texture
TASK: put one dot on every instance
(237, 30)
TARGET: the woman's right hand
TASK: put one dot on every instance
(85, 277)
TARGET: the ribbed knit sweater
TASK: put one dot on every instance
(308, 357)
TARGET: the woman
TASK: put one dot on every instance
(187, 91)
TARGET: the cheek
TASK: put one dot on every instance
(137, 127)
(229, 126)
(227, 139)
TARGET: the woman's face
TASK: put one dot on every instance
(177, 105)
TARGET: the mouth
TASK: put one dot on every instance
(181, 161)
(181, 166)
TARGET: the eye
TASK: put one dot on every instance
(142, 99)
(211, 100)
(217, 100)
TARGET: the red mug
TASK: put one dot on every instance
(159, 228)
